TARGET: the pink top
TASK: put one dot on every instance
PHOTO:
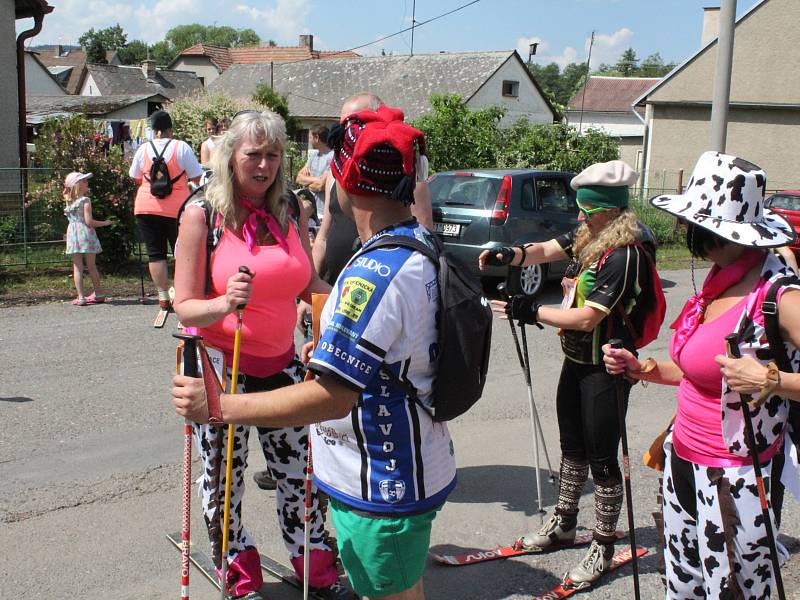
(697, 432)
(267, 344)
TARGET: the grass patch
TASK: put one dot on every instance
(54, 283)
(676, 256)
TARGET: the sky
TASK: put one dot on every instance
(562, 27)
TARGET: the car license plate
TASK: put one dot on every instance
(451, 229)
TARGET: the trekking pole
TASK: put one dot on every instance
(732, 346)
(190, 370)
(626, 470)
(237, 344)
(536, 426)
(317, 303)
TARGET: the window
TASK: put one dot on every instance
(528, 197)
(554, 197)
(511, 89)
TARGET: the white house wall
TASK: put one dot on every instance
(199, 65)
(529, 103)
(38, 81)
(90, 87)
(617, 124)
(9, 105)
(129, 113)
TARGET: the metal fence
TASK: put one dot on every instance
(27, 234)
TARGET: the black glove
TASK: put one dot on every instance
(506, 258)
(524, 309)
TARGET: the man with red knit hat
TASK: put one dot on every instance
(386, 466)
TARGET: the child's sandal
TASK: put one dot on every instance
(79, 301)
(95, 299)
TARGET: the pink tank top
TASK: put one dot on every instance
(267, 344)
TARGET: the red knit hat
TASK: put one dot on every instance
(374, 154)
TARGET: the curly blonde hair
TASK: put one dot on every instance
(623, 230)
(266, 128)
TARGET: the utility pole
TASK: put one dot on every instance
(722, 76)
(413, 23)
(586, 83)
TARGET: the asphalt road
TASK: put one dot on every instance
(90, 465)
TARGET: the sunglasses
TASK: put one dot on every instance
(587, 212)
(247, 111)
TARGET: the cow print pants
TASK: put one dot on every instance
(286, 452)
(713, 527)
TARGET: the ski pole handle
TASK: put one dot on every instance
(245, 270)
(189, 350)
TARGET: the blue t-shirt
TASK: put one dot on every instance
(387, 456)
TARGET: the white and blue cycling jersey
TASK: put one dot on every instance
(387, 456)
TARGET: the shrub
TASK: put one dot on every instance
(458, 137)
(189, 115)
(69, 144)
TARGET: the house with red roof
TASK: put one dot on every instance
(604, 103)
(209, 62)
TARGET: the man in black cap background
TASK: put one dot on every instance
(156, 216)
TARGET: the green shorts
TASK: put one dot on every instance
(382, 556)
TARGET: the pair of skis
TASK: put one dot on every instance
(564, 589)
(272, 567)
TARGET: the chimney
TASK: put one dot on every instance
(307, 40)
(710, 24)
(149, 68)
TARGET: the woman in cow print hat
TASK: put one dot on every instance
(715, 538)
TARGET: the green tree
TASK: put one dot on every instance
(460, 138)
(111, 38)
(183, 36)
(162, 53)
(549, 79)
(628, 64)
(277, 103)
(96, 52)
(572, 78)
(133, 53)
(654, 66)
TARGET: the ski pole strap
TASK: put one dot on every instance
(212, 387)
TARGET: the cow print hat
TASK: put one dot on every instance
(726, 196)
(374, 154)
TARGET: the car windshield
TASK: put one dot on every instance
(787, 201)
(473, 191)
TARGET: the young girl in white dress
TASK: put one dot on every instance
(82, 242)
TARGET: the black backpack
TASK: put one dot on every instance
(159, 180)
(769, 308)
(465, 332)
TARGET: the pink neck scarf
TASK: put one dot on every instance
(251, 225)
(718, 280)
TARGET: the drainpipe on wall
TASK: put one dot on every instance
(645, 140)
(23, 105)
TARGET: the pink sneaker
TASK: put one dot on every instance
(79, 301)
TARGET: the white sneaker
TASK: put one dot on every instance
(552, 533)
(592, 566)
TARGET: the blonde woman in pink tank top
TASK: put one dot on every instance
(257, 225)
(713, 524)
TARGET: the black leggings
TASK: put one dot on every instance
(588, 423)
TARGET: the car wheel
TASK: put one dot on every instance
(531, 279)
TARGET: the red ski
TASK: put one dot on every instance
(479, 556)
(566, 588)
